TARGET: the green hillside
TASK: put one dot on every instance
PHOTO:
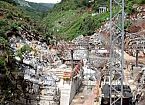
(35, 6)
(41, 6)
(13, 16)
(36, 10)
(71, 18)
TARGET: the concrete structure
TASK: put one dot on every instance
(102, 9)
(68, 90)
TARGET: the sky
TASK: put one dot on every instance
(44, 1)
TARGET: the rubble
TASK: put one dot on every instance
(35, 62)
(140, 13)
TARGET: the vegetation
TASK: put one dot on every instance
(8, 67)
(12, 19)
(66, 20)
(72, 18)
(23, 50)
(36, 10)
(41, 7)
(10, 1)
(130, 3)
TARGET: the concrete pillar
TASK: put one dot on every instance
(99, 10)
(102, 9)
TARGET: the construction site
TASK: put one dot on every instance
(106, 68)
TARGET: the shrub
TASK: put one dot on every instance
(3, 23)
(26, 48)
(3, 41)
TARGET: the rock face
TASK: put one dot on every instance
(134, 29)
(139, 14)
(36, 58)
(135, 38)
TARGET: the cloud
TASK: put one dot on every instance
(45, 1)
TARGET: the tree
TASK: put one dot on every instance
(140, 1)
(10, 1)
(128, 7)
(88, 26)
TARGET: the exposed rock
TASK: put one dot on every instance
(34, 58)
(133, 29)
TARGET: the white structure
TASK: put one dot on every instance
(102, 9)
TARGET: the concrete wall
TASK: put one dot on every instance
(68, 91)
(76, 83)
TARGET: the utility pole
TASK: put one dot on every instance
(72, 60)
(116, 51)
(88, 61)
(136, 56)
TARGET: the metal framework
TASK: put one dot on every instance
(116, 51)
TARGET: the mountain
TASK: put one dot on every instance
(41, 6)
(22, 3)
(34, 6)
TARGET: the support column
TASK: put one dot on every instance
(136, 56)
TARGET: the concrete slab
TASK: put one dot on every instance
(65, 93)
